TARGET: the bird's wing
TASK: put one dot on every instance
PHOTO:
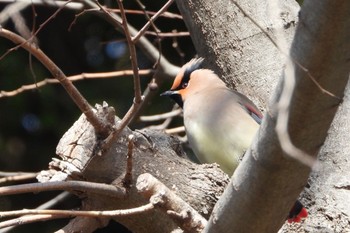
(253, 112)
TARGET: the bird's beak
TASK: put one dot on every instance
(169, 93)
(175, 95)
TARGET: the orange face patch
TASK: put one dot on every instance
(177, 80)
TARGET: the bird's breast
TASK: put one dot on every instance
(216, 135)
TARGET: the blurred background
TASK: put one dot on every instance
(32, 122)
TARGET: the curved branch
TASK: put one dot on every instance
(100, 127)
(167, 69)
(97, 188)
(83, 213)
(73, 78)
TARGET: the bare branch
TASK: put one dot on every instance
(128, 174)
(166, 200)
(8, 11)
(98, 188)
(133, 57)
(166, 68)
(73, 78)
(151, 20)
(168, 34)
(56, 3)
(80, 101)
(176, 130)
(9, 224)
(7, 174)
(156, 30)
(164, 14)
(71, 213)
(176, 46)
(18, 177)
(162, 116)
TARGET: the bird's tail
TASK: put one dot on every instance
(297, 213)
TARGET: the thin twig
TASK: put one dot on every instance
(176, 46)
(165, 14)
(168, 34)
(71, 213)
(137, 87)
(162, 126)
(11, 9)
(165, 199)
(56, 3)
(7, 174)
(151, 20)
(78, 15)
(19, 177)
(100, 127)
(128, 174)
(73, 78)
(10, 224)
(122, 124)
(162, 116)
(156, 30)
(167, 117)
(167, 69)
(133, 57)
(175, 130)
(83, 186)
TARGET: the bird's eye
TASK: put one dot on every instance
(184, 85)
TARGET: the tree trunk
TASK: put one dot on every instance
(154, 153)
(239, 52)
(235, 48)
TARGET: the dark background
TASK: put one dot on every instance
(32, 122)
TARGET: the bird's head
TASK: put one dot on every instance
(191, 80)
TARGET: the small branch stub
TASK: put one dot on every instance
(128, 174)
(166, 200)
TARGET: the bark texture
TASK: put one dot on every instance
(271, 179)
(246, 59)
(242, 55)
(154, 153)
(235, 48)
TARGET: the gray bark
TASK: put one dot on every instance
(154, 153)
(235, 48)
(240, 53)
(244, 57)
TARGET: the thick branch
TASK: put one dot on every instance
(162, 197)
(152, 152)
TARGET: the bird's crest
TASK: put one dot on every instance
(194, 64)
(185, 73)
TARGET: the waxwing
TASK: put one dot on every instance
(220, 123)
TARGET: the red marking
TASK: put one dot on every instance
(254, 110)
(302, 214)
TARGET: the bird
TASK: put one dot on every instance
(220, 123)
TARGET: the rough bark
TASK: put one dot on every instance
(250, 61)
(246, 59)
(154, 153)
(234, 47)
